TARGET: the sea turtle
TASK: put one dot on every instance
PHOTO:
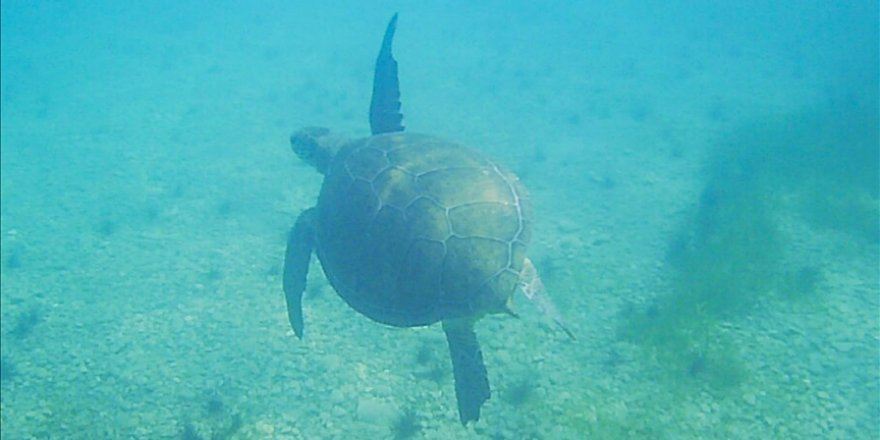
(411, 230)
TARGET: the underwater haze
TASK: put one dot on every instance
(704, 177)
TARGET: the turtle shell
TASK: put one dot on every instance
(413, 229)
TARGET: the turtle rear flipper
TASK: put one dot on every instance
(300, 244)
(471, 379)
(533, 289)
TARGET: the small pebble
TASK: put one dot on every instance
(371, 409)
(338, 411)
(265, 427)
(843, 346)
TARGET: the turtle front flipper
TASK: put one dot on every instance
(385, 116)
(471, 379)
(300, 244)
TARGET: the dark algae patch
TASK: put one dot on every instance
(8, 370)
(520, 391)
(212, 419)
(407, 425)
(734, 251)
(26, 321)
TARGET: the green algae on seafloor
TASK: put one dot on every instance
(730, 255)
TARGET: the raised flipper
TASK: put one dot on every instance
(385, 116)
(300, 244)
(471, 379)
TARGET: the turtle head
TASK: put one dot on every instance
(316, 146)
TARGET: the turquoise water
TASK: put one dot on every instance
(704, 180)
